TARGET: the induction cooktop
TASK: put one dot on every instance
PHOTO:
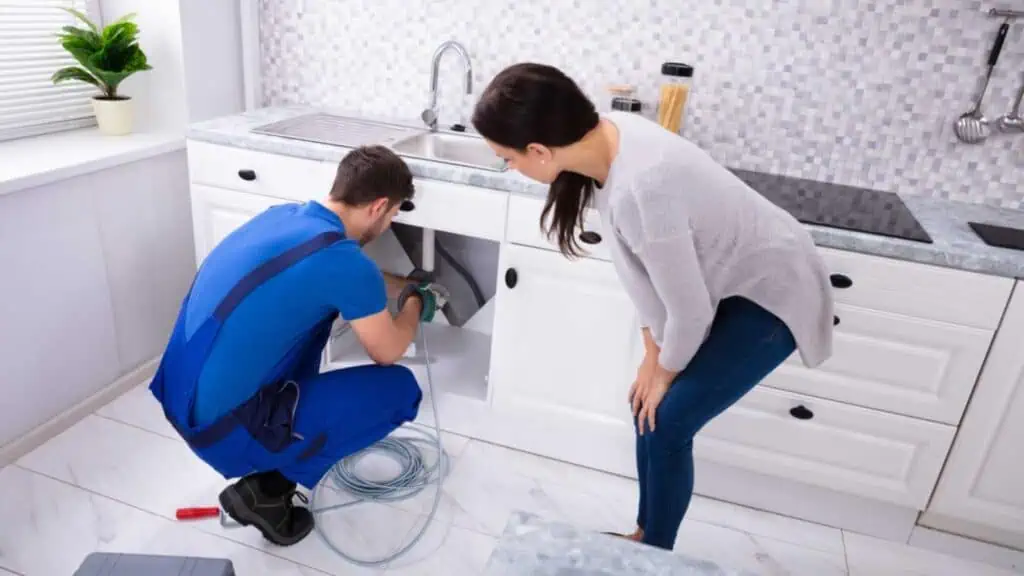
(838, 206)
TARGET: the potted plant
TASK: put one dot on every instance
(106, 56)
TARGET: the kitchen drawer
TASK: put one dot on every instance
(895, 363)
(863, 452)
(276, 175)
(919, 290)
(455, 208)
(524, 227)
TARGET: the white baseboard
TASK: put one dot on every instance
(968, 548)
(804, 501)
(968, 529)
(12, 451)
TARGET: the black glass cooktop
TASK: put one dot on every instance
(838, 206)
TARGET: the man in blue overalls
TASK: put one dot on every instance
(240, 378)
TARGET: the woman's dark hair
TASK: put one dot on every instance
(535, 103)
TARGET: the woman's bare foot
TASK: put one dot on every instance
(636, 536)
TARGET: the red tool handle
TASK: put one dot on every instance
(197, 513)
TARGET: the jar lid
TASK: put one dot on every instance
(677, 69)
(627, 104)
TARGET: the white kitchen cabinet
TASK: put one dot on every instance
(216, 212)
(566, 339)
(899, 364)
(981, 490)
(847, 448)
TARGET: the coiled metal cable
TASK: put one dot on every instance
(415, 474)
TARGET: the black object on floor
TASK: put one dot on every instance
(999, 236)
(106, 564)
(838, 206)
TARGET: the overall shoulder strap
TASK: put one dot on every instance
(271, 268)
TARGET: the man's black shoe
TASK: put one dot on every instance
(274, 514)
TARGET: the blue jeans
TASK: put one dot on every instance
(745, 343)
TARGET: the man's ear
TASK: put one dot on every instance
(379, 207)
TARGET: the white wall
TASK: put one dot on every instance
(158, 94)
(93, 270)
(195, 48)
(212, 51)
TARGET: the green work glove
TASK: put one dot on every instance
(433, 296)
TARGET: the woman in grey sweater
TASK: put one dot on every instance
(726, 285)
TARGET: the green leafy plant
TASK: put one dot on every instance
(107, 56)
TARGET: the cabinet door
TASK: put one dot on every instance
(566, 339)
(983, 481)
(217, 212)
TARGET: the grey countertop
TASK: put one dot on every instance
(954, 244)
(537, 547)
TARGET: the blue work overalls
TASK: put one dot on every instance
(301, 422)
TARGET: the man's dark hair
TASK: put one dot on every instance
(369, 173)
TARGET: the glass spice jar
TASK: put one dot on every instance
(677, 79)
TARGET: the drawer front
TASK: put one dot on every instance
(894, 363)
(918, 290)
(466, 210)
(274, 175)
(846, 448)
(524, 227)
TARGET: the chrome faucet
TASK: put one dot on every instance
(429, 115)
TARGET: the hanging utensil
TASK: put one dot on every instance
(973, 127)
(1013, 122)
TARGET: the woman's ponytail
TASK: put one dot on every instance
(568, 198)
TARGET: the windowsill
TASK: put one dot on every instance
(30, 162)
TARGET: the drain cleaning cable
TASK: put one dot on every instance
(415, 475)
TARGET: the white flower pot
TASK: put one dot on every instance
(114, 117)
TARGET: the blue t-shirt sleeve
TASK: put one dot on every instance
(356, 285)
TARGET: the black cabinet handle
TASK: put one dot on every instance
(841, 281)
(835, 320)
(511, 277)
(801, 413)
(407, 206)
(589, 237)
(247, 174)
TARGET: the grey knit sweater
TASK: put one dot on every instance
(685, 233)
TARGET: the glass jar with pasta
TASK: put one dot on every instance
(677, 79)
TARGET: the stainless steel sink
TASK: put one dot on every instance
(451, 148)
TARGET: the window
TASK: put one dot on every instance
(30, 104)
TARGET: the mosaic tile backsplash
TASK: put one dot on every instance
(858, 92)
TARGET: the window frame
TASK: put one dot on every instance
(95, 13)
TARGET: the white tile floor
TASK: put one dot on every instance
(113, 481)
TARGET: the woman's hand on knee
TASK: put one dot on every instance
(652, 394)
(644, 375)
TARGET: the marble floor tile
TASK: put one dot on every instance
(999, 556)
(159, 475)
(873, 557)
(138, 407)
(51, 526)
(743, 551)
(128, 464)
(443, 549)
(488, 483)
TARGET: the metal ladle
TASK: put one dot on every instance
(973, 127)
(1013, 122)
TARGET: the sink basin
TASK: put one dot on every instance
(451, 148)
